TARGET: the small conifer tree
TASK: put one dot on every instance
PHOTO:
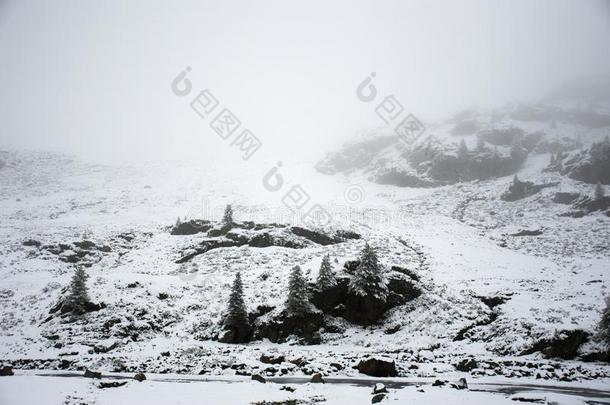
(604, 323)
(480, 144)
(78, 298)
(326, 278)
(227, 218)
(367, 279)
(599, 192)
(297, 302)
(462, 152)
(237, 315)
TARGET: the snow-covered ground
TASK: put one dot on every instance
(177, 389)
(160, 315)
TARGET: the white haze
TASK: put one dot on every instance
(93, 78)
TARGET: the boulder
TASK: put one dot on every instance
(139, 377)
(377, 367)
(460, 384)
(111, 384)
(466, 365)
(377, 398)
(317, 378)
(259, 378)
(6, 371)
(379, 388)
(92, 374)
(271, 359)
(281, 326)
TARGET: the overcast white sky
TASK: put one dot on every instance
(93, 78)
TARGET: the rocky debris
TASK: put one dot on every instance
(287, 388)
(271, 359)
(379, 388)
(564, 345)
(139, 377)
(494, 301)
(377, 398)
(439, 383)
(6, 371)
(92, 374)
(259, 378)
(317, 378)
(377, 367)
(466, 365)
(111, 384)
(460, 384)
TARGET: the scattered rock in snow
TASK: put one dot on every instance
(466, 365)
(379, 388)
(377, 367)
(92, 374)
(317, 378)
(139, 377)
(460, 384)
(377, 398)
(6, 371)
(271, 359)
(259, 378)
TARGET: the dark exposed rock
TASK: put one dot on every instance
(280, 327)
(565, 197)
(564, 345)
(139, 377)
(379, 388)
(344, 235)
(522, 189)
(493, 301)
(259, 378)
(64, 307)
(377, 368)
(31, 242)
(191, 227)
(439, 383)
(527, 232)
(466, 365)
(271, 359)
(314, 236)
(460, 384)
(377, 398)
(6, 371)
(111, 384)
(588, 204)
(354, 156)
(317, 378)
(92, 374)
(591, 166)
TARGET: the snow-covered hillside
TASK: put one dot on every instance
(501, 281)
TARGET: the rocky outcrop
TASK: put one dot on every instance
(518, 189)
(354, 156)
(377, 367)
(591, 166)
(565, 345)
(191, 227)
(279, 327)
(364, 310)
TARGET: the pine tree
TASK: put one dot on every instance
(367, 279)
(516, 149)
(326, 278)
(227, 218)
(480, 144)
(297, 302)
(604, 323)
(78, 298)
(237, 315)
(462, 152)
(599, 192)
